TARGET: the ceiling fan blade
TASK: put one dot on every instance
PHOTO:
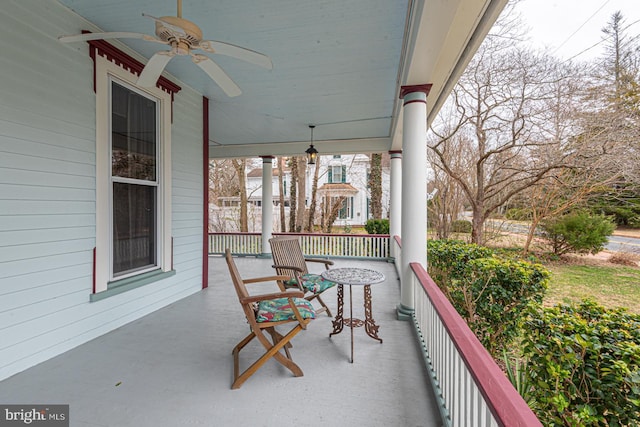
(154, 68)
(217, 74)
(104, 36)
(238, 52)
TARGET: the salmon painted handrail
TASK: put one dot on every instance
(474, 389)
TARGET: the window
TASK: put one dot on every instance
(337, 174)
(346, 210)
(134, 184)
(133, 179)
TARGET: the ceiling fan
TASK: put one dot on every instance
(183, 37)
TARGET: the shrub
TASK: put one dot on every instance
(447, 259)
(377, 226)
(626, 217)
(490, 293)
(461, 226)
(494, 295)
(519, 214)
(578, 232)
(587, 365)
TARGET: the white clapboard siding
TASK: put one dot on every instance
(47, 193)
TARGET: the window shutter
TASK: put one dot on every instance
(344, 173)
(330, 176)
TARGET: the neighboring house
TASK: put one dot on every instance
(340, 176)
(348, 176)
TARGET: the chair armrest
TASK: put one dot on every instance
(326, 262)
(288, 267)
(265, 279)
(274, 295)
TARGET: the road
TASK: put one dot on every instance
(623, 244)
(616, 243)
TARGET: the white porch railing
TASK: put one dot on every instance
(473, 389)
(374, 246)
(238, 243)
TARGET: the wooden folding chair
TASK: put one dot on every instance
(264, 312)
(290, 261)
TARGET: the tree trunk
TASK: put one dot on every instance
(375, 185)
(334, 211)
(302, 193)
(283, 221)
(240, 165)
(477, 229)
(314, 193)
(530, 234)
(293, 200)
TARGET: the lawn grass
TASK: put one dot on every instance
(610, 286)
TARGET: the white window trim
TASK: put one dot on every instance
(105, 71)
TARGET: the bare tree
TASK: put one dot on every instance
(497, 129)
(448, 201)
(611, 119)
(240, 167)
(332, 207)
(222, 180)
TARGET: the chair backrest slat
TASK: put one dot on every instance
(286, 250)
(240, 287)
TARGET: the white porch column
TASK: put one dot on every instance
(395, 193)
(267, 204)
(414, 191)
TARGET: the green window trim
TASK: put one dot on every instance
(123, 285)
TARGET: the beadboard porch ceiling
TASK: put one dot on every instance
(336, 64)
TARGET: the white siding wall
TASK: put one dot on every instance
(47, 193)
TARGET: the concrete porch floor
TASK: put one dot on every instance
(174, 367)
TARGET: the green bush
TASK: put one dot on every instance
(461, 226)
(584, 365)
(519, 214)
(626, 217)
(447, 259)
(377, 226)
(490, 293)
(579, 232)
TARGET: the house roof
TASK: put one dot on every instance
(257, 172)
(337, 189)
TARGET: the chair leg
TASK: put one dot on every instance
(272, 351)
(276, 337)
(236, 353)
(324, 306)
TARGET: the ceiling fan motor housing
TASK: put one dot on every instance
(184, 40)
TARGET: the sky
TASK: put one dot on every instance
(572, 28)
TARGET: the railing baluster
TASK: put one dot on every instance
(331, 245)
(474, 389)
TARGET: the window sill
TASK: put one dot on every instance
(124, 285)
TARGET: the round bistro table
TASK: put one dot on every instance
(352, 276)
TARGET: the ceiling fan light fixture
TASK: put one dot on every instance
(312, 153)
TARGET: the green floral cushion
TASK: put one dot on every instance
(314, 283)
(279, 309)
